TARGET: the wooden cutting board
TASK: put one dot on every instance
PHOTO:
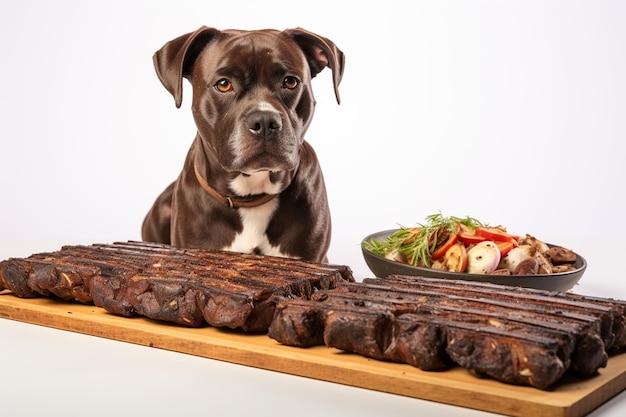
(571, 398)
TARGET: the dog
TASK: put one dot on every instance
(250, 182)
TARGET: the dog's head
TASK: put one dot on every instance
(252, 96)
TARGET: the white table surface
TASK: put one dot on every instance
(60, 373)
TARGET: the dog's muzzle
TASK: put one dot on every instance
(264, 124)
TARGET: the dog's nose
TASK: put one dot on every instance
(264, 124)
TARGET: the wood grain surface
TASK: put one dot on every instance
(571, 398)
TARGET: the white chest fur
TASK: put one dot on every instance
(252, 238)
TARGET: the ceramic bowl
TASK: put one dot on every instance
(562, 281)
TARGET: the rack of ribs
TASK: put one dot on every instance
(191, 287)
(515, 335)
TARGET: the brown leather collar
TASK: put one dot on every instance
(233, 202)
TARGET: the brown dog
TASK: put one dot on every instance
(250, 182)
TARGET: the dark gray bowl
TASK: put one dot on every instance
(382, 267)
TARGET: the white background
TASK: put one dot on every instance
(513, 112)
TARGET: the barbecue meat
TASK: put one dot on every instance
(191, 287)
(518, 336)
(514, 335)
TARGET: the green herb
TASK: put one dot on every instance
(416, 245)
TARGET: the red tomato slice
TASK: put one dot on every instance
(505, 247)
(468, 235)
(470, 238)
(496, 234)
(455, 258)
(441, 250)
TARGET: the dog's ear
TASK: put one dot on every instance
(321, 53)
(175, 59)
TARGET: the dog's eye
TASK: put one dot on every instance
(290, 82)
(224, 85)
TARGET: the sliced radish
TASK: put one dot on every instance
(483, 258)
(517, 256)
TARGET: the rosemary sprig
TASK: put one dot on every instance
(417, 244)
